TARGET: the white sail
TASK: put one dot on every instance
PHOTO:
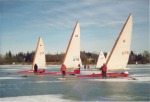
(72, 56)
(39, 57)
(101, 60)
(119, 55)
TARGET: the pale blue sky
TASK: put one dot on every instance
(23, 21)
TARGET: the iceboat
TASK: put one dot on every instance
(39, 58)
(72, 55)
(101, 60)
(119, 55)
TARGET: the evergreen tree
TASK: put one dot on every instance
(8, 58)
(131, 58)
(146, 57)
(86, 57)
(2, 61)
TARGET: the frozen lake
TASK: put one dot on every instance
(15, 88)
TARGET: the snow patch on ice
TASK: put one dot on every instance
(4, 78)
(36, 98)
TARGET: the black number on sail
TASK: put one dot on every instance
(76, 59)
(76, 35)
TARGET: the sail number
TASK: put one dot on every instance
(125, 52)
(41, 53)
(76, 59)
(76, 35)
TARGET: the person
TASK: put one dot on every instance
(84, 66)
(35, 68)
(78, 66)
(63, 70)
(88, 66)
(104, 70)
(77, 70)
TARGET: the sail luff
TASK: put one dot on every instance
(35, 53)
(117, 41)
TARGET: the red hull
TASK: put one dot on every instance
(42, 72)
(108, 75)
(55, 73)
(31, 71)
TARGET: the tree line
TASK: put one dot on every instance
(86, 57)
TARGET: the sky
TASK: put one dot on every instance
(23, 21)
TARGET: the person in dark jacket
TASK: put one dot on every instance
(85, 66)
(35, 68)
(104, 70)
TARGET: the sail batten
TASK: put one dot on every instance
(72, 55)
(39, 57)
(119, 55)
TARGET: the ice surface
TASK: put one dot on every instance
(48, 88)
(135, 79)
